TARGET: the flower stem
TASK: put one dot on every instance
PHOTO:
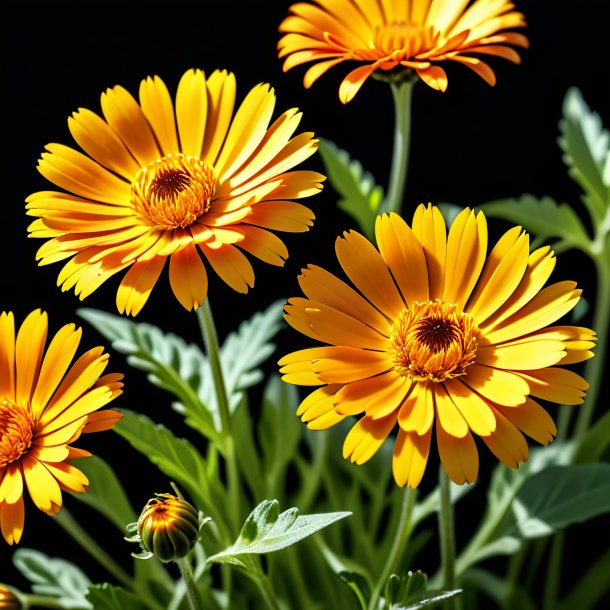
(447, 539)
(594, 367)
(41, 601)
(210, 338)
(553, 574)
(264, 586)
(187, 576)
(403, 532)
(70, 525)
(402, 94)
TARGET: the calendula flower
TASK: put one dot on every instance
(46, 403)
(8, 600)
(437, 337)
(168, 528)
(384, 35)
(159, 183)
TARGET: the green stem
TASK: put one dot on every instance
(70, 525)
(595, 367)
(447, 539)
(404, 529)
(210, 338)
(264, 586)
(187, 576)
(553, 573)
(40, 601)
(402, 94)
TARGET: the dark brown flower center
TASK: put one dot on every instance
(173, 192)
(16, 431)
(433, 341)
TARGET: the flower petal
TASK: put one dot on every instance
(410, 457)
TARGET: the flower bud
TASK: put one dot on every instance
(168, 527)
(8, 600)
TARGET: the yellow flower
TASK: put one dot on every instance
(45, 405)
(437, 337)
(8, 600)
(385, 35)
(159, 183)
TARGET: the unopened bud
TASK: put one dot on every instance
(168, 527)
(8, 600)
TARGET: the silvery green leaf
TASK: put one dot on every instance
(54, 577)
(109, 597)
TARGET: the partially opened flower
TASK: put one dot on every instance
(162, 183)
(384, 35)
(46, 403)
(437, 338)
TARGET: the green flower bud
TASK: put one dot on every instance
(168, 527)
(8, 600)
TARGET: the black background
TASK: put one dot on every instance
(472, 144)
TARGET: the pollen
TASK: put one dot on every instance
(433, 341)
(173, 192)
(16, 431)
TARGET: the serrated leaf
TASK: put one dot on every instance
(360, 195)
(53, 577)
(175, 457)
(427, 599)
(244, 350)
(172, 364)
(266, 531)
(105, 492)
(560, 496)
(586, 147)
(109, 597)
(543, 217)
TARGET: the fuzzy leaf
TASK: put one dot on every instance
(109, 597)
(586, 147)
(175, 457)
(360, 195)
(266, 530)
(53, 577)
(559, 496)
(105, 492)
(543, 217)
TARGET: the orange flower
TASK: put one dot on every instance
(384, 35)
(160, 183)
(45, 405)
(437, 337)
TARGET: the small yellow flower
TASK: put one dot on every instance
(437, 338)
(390, 35)
(162, 183)
(167, 528)
(46, 403)
(8, 600)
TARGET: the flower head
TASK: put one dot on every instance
(46, 403)
(437, 338)
(168, 528)
(161, 183)
(395, 35)
(8, 600)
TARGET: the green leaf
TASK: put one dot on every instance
(266, 530)
(172, 365)
(543, 217)
(586, 147)
(105, 492)
(559, 496)
(244, 350)
(358, 584)
(360, 195)
(279, 431)
(109, 597)
(175, 457)
(427, 599)
(594, 442)
(53, 577)
(409, 592)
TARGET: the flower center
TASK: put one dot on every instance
(173, 192)
(433, 342)
(16, 431)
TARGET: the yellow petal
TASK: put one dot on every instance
(447, 413)
(556, 385)
(532, 419)
(522, 355)
(42, 486)
(7, 354)
(158, 108)
(11, 521)
(429, 228)
(231, 265)
(417, 411)
(410, 458)
(136, 286)
(188, 278)
(366, 437)
(507, 443)
(29, 350)
(11, 483)
(473, 407)
(499, 386)
(459, 456)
